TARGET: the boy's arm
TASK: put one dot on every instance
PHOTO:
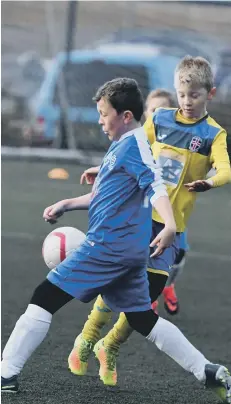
(149, 129)
(79, 203)
(166, 237)
(220, 160)
(140, 165)
(53, 212)
(89, 175)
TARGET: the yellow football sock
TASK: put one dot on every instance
(100, 315)
(118, 334)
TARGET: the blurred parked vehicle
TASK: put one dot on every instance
(66, 93)
(175, 41)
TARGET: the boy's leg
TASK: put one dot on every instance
(30, 330)
(164, 264)
(84, 342)
(169, 339)
(171, 302)
(97, 319)
(107, 349)
(122, 330)
(100, 315)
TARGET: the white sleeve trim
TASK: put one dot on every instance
(158, 184)
(158, 193)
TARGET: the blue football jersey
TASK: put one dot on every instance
(128, 183)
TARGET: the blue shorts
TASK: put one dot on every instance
(93, 269)
(165, 261)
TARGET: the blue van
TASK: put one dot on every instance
(69, 87)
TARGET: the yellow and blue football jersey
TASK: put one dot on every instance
(186, 150)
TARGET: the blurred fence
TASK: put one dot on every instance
(38, 29)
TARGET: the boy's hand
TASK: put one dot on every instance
(199, 186)
(89, 175)
(53, 212)
(163, 240)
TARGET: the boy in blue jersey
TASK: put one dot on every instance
(159, 98)
(113, 259)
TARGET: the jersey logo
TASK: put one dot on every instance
(172, 170)
(161, 137)
(195, 144)
(110, 160)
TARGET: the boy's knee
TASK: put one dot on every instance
(49, 297)
(100, 314)
(142, 321)
(101, 306)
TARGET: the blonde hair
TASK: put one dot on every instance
(195, 70)
(161, 92)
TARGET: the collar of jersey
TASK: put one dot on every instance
(179, 118)
(130, 133)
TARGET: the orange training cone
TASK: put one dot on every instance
(58, 174)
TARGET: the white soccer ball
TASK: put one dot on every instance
(60, 243)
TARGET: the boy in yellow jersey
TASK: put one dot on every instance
(161, 98)
(186, 142)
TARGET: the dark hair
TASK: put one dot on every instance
(161, 92)
(123, 94)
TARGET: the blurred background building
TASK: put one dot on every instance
(46, 95)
